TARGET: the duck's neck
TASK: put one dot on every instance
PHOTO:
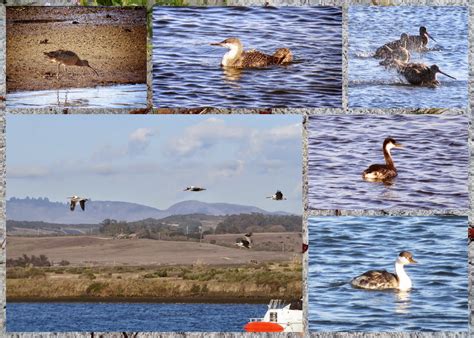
(388, 158)
(232, 55)
(404, 282)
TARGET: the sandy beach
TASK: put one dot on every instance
(112, 40)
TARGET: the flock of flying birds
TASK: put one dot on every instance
(396, 55)
(245, 242)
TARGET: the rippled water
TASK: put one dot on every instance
(187, 72)
(119, 317)
(121, 96)
(432, 166)
(370, 85)
(344, 247)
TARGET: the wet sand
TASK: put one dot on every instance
(113, 40)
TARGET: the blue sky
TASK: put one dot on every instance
(150, 159)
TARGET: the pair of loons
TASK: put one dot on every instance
(396, 54)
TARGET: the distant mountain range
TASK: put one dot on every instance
(42, 209)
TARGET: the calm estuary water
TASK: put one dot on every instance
(187, 72)
(370, 85)
(432, 166)
(341, 248)
(120, 96)
(119, 317)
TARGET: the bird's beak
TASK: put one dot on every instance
(221, 44)
(413, 261)
(428, 35)
(94, 70)
(398, 145)
(452, 77)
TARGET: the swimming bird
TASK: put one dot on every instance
(388, 49)
(381, 279)
(238, 58)
(418, 42)
(380, 172)
(245, 242)
(193, 188)
(420, 74)
(82, 202)
(67, 58)
(278, 196)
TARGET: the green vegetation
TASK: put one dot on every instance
(186, 283)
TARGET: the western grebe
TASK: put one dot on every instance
(74, 199)
(383, 171)
(381, 279)
(238, 58)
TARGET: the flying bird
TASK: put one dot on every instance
(82, 202)
(193, 188)
(245, 242)
(278, 196)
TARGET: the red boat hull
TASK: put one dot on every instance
(263, 327)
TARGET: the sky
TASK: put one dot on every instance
(150, 159)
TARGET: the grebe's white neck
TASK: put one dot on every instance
(404, 282)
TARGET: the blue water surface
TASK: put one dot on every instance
(372, 86)
(341, 248)
(119, 317)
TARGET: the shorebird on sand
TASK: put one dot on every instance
(67, 58)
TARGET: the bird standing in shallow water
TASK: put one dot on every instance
(67, 58)
(418, 42)
(381, 172)
(420, 74)
(238, 58)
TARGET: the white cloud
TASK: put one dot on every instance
(204, 135)
(27, 172)
(139, 140)
(229, 169)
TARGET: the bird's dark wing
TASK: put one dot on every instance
(279, 195)
(83, 204)
(375, 167)
(72, 205)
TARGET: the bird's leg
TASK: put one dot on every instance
(57, 74)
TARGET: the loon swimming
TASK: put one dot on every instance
(380, 172)
(381, 279)
(238, 58)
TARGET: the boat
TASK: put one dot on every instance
(280, 317)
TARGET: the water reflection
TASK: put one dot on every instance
(402, 302)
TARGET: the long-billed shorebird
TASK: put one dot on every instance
(74, 199)
(417, 42)
(67, 58)
(421, 74)
(387, 49)
(238, 58)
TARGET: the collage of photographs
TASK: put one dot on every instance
(240, 168)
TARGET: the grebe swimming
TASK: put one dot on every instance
(238, 58)
(381, 279)
(377, 172)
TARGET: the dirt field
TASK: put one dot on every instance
(102, 251)
(272, 241)
(113, 40)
